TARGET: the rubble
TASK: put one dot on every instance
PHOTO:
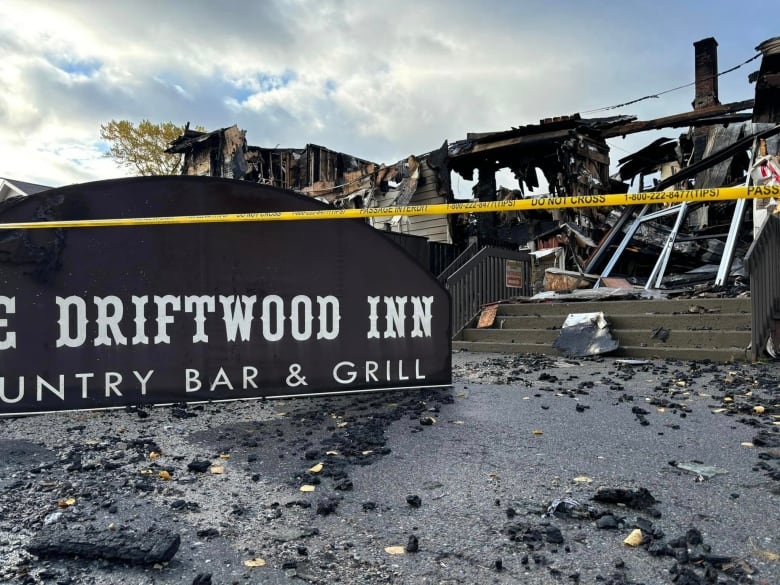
(637, 498)
(585, 334)
(157, 545)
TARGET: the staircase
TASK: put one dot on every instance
(698, 329)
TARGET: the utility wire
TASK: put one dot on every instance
(660, 93)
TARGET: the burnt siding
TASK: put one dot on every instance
(433, 227)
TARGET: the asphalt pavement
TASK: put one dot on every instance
(530, 469)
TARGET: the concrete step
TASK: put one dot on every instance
(627, 337)
(733, 321)
(631, 307)
(714, 329)
(716, 355)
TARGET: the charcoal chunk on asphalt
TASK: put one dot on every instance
(644, 525)
(414, 500)
(686, 576)
(413, 545)
(660, 549)
(345, 485)
(327, 506)
(522, 532)
(607, 522)
(693, 536)
(636, 498)
(554, 535)
(199, 465)
(156, 545)
(182, 413)
(718, 560)
(767, 439)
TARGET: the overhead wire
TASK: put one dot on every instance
(679, 87)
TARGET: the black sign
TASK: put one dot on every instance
(94, 317)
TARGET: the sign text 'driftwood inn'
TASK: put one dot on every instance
(302, 319)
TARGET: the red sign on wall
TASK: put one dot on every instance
(514, 274)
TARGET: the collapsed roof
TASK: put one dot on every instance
(722, 146)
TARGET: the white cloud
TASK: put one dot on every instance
(377, 80)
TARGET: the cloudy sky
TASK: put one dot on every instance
(379, 80)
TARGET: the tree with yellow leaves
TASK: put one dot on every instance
(142, 148)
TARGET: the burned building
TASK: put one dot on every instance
(721, 145)
(335, 178)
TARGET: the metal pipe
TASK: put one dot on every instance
(736, 222)
(622, 246)
(657, 275)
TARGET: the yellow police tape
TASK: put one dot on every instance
(548, 202)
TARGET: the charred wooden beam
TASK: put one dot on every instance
(715, 158)
(695, 117)
(525, 141)
(153, 546)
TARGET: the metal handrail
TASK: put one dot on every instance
(467, 254)
(763, 265)
(482, 280)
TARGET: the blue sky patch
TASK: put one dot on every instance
(75, 67)
(261, 83)
(241, 94)
(269, 82)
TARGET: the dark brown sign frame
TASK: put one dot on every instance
(101, 317)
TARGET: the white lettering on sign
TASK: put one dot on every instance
(301, 318)
(347, 372)
(373, 317)
(77, 319)
(44, 388)
(298, 318)
(239, 318)
(273, 318)
(199, 305)
(110, 311)
(9, 304)
(221, 380)
(396, 319)
(163, 317)
(422, 315)
(330, 316)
